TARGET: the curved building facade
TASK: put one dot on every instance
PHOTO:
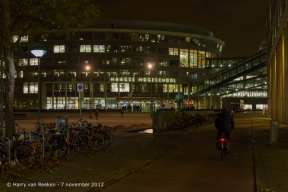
(117, 63)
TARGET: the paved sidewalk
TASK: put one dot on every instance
(271, 160)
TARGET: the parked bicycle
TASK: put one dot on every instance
(78, 140)
(39, 143)
(90, 130)
(55, 138)
(57, 142)
(19, 151)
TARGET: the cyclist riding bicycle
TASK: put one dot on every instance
(224, 123)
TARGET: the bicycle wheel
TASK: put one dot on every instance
(82, 143)
(97, 142)
(222, 151)
(106, 138)
(59, 146)
(25, 155)
(44, 151)
(62, 148)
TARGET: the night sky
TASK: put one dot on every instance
(241, 24)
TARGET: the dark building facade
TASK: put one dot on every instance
(110, 61)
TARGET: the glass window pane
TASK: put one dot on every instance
(23, 62)
(25, 87)
(59, 48)
(183, 57)
(193, 58)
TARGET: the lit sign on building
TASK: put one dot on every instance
(143, 79)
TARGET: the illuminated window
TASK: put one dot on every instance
(126, 49)
(24, 38)
(25, 88)
(247, 106)
(165, 88)
(172, 88)
(19, 74)
(183, 57)
(146, 37)
(201, 59)
(23, 62)
(33, 61)
(173, 51)
(99, 48)
(59, 48)
(31, 87)
(124, 87)
(261, 106)
(125, 61)
(85, 48)
(102, 87)
(15, 38)
(193, 58)
(138, 49)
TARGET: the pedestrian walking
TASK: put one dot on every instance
(121, 112)
(96, 114)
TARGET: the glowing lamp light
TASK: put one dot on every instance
(150, 66)
(87, 67)
(38, 52)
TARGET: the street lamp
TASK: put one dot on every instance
(150, 66)
(38, 53)
(88, 68)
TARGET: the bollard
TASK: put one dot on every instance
(274, 131)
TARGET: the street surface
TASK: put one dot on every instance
(195, 165)
(169, 161)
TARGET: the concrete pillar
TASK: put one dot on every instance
(118, 102)
(105, 94)
(65, 99)
(205, 103)
(53, 90)
(211, 103)
(285, 82)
